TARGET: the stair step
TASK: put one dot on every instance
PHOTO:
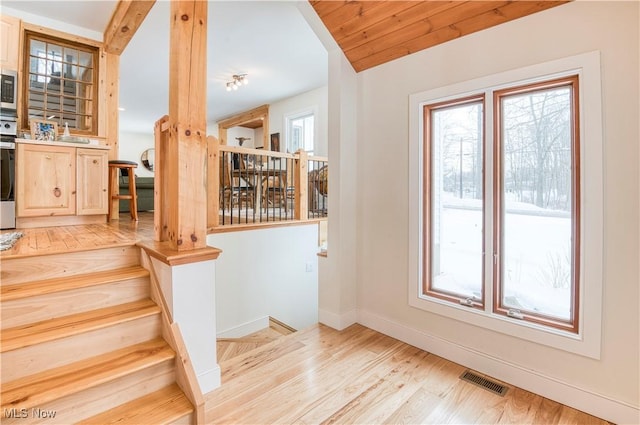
(61, 327)
(36, 390)
(30, 268)
(161, 407)
(49, 286)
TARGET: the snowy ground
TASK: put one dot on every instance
(537, 261)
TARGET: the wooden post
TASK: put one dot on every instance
(186, 154)
(301, 209)
(112, 84)
(213, 182)
(161, 135)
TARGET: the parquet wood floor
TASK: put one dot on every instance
(359, 376)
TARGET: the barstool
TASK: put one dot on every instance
(114, 168)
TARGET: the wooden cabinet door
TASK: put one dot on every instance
(93, 181)
(9, 42)
(45, 180)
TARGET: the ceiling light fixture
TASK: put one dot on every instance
(238, 80)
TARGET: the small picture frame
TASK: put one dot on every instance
(43, 130)
(275, 142)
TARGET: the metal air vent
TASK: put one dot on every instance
(483, 382)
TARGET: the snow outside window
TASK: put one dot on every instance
(500, 235)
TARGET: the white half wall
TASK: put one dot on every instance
(189, 290)
(263, 273)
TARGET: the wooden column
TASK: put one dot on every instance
(186, 154)
(112, 85)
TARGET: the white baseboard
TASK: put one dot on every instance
(546, 386)
(245, 328)
(337, 321)
(210, 380)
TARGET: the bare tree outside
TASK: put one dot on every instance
(535, 144)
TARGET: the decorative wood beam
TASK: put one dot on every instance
(252, 115)
(261, 112)
(186, 154)
(124, 23)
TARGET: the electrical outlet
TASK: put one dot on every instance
(309, 267)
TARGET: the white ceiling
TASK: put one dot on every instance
(268, 40)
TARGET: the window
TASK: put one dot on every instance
(533, 216)
(454, 203)
(60, 82)
(300, 132)
(500, 234)
(536, 198)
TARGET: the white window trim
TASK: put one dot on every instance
(288, 117)
(587, 341)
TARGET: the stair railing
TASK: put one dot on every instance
(185, 373)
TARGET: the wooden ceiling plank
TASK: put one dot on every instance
(505, 13)
(325, 7)
(351, 10)
(423, 27)
(380, 11)
(419, 13)
(125, 21)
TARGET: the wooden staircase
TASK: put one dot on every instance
(81, 346)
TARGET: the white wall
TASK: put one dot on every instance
(234, 132)
(52, 23)
(314, 99)
(570, 29)
(131, 146)
(263, 273)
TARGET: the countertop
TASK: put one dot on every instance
(67, 144)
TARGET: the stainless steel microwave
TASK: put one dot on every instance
(8, 89)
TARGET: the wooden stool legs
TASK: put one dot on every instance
(114, 167)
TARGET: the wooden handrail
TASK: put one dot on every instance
(318, 158)
(250, 151)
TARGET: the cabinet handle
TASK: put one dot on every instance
(47, 157)
(95, 161)
(57, 192)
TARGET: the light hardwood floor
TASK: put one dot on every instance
(61, 239)
(229, 348)
(359, 376)
(320, 375)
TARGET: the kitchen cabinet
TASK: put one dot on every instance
(45, 180)
(92, 181)
(60, 180)
(9, 42)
